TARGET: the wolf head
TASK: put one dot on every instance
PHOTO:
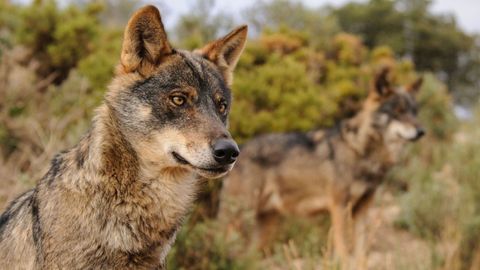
(394, 114)
(173, 105)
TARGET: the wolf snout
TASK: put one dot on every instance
(225, 151)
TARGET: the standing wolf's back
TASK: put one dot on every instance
(17, 248)
(246, 181)
(252, 187)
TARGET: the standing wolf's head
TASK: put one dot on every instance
(394, 114)
(172, 105)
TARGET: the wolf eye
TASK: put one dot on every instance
(400, 110)
(178, 100)
(222, 107)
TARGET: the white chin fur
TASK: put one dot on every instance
(402, 130)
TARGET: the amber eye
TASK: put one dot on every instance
(400, 110)
(178, 100)
(222, 107)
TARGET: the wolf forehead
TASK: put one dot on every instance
(185, 71)
(400, 102)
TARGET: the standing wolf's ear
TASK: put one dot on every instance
(226, 51)
(415, 86)
(381, 83)
(145, 42)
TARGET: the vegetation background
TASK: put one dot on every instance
(303, 68)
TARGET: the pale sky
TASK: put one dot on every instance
(467, 12)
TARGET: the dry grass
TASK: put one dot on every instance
(37, 121)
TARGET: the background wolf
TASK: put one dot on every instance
(117, 199)
(335, 170)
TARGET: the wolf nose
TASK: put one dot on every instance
(420, 133)
(225, 151)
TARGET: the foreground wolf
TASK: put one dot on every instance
(335, 170)
(117, 199)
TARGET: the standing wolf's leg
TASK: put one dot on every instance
(339, 215)
(359, 241)
(361, 231)
(266, 229)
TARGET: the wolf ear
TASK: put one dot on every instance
(382, 85)
(226, 51)
(415, 86)
(145, 42)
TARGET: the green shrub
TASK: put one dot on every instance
(436, 108)
(99, 66)
(58, 38)
(8, 22)
(205, 246)
(270, 93)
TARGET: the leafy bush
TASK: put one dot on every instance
(436, 108)
(58, 38)
(99, 65)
